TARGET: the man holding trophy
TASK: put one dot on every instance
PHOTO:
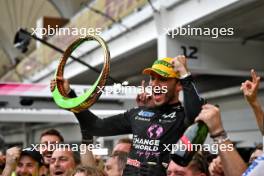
(153, 127)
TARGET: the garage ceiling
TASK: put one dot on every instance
(15, 14)
(247, 20)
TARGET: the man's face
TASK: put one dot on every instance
(111, 167)
(45, 140)
(123, 147)
(176, 170)
(27, 166)
(170, 85)
(62, 163)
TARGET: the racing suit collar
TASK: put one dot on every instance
(177, 105)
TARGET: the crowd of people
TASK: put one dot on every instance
(159, 119)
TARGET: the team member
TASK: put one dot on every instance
(123, 145)
(25, 163)
(29, 163)
(231, 161)
(250, 90)
(115, 165)
(152, 127)
(228, 160)
(49, 137)
(64, 161)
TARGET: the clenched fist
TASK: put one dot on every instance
(12, 156)
(179, 64)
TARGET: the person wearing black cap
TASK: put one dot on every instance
(25, 163)
(29, 163)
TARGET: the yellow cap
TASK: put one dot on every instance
(163, 67)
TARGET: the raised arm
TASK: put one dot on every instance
(192, 101)
(250, 90)
(91, 125)
(229, 156)
(12, 156)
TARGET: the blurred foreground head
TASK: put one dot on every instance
(87, 171)
(123, 145)
(116, 164)
(197, 167)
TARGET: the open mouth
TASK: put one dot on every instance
(58, 173)
(157, 95)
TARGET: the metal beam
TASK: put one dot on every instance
(47, 115)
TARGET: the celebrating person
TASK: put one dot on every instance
(24, 162)
(250, 90)
(48, 137)
(153, 127)
(229, 156)
(225, 163)
(63, 161)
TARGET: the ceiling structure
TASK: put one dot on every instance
(15, 14)
(246, 20)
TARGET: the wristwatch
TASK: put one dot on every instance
(220, 137)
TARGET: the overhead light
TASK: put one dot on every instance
(21, 41)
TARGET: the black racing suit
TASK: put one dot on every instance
(154, 130)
